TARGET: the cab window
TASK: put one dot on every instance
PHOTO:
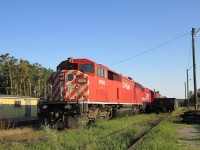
(87, 67)
(101, 72)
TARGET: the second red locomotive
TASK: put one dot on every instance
(83, 87)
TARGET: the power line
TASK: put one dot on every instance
(142, 53)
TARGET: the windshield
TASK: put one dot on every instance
(67, 66)
(87, 67)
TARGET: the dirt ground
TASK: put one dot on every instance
(24, 138)
(190, 136)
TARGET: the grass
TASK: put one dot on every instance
(96, 137)
(165, 136)
(11, 132)
(18, 138)
(90, 138)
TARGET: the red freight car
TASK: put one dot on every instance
(81, 86)
(148, 100)
(139, 92)
(148, 96)
(157, 95)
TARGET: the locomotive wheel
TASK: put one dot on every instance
(72, 122)
(136, 110)
(59, 125)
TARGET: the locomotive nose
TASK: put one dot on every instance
(76, 85)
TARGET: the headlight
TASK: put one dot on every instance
(69, 77)
(44, 106)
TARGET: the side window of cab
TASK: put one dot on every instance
(101, 72)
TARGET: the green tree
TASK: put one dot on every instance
(2, 77)
(191, 97)
(21, 77)
(9, 63)
(23, 68)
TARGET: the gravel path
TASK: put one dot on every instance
(190, 136)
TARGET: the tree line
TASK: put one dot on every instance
(191, 97)
(20, 77)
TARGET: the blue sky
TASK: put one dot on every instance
(107, 31)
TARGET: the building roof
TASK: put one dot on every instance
(17, 97)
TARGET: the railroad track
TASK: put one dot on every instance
(139, 140)
(148, 122)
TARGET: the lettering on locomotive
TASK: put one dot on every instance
(126, 85)
(146, 98)
(102, 82)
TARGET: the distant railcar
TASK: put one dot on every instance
(165, 104)
(17, 109)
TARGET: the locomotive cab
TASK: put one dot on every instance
(83, 65)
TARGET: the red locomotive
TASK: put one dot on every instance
(83, 87)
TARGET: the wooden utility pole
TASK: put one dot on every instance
(187, 90)
(185, 93)
(194, 68)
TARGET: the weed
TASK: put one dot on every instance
(51, 136)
